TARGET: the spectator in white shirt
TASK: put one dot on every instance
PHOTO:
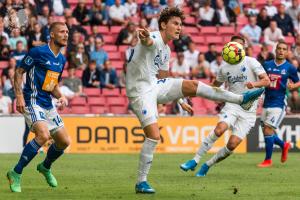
(5, 104)
(191, 55)
(118, 13)
(131, 7)
(206, 14)
(253, 10)
(271, 9)
(272, 34)
(251, 31)
(294, 11)
(180, 66)
(216, 65)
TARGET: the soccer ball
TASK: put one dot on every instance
(233, 53)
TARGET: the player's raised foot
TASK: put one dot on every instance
(203, 170)
(250, 96)
(144, 187)
(285, 151)
(189, 165)
(14, 181)
(265, 163)
(51, 180)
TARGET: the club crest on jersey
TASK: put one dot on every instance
(28, 60)
(243, 69)
(157, 61)
(283, 72)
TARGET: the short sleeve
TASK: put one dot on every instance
(293, 75)
(28, 61)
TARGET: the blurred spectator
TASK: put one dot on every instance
(11, 65)
(39, 4)
(43, 19)
(118, 13)
(251, 31)
(211, 54)
(90, 44)
(108, 76)
(253, 10)
(143, 23)
(206, 14)
(8, 89)
(151, 13)
(73, 82)
(15, 38)
(271, 9)
(81, 13)
(131, 7)
(264, 54)
(110, 3)
(74, 42)
(5, 104)
(284, 21)
(294, 102)
(4, 48)
(91, 76)
(58, 6)
(98, 13)
(249, 51)
(143, 6)
(286, 3)
(180, 66)
(96, 32)
(65, 90)
(79, 59)
(273, 34)
(2, 31)
(45, 31)
(201, 70)
(294, 11)
(191, 55)
(195, 6)
(73, 27)
(263, 20)
(223, 14)
(127, 34)
(182, 43)
(296, 48)
(99, 55)
(19, 53)
(216, 65)
(35, 37)
(235, 6)
(297, 25)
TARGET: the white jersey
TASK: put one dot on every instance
(144, 63)
(236, 76)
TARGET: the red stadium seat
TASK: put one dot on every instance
(66, 110)
(79, 73)
(210, 106)
(91, 92)
(190, 21)
(289, 40)
(80, 109)
(112, 93)
(241, 20)
(65, 74)
(190, 30)
(96, 101)
(115, 29)
(123, 48)
(116, 101)
(103, 29)
(88, 29)
(198, 40)
(202, 48)
(3, 64)
(214, 39)
(186, 10)
(208, 30)
(78, 101)
(109, 39)
(118, 109)
(98, 109)
(226, 30)
(114, 55)
(110, 48)
(117, 64)
(123, 92)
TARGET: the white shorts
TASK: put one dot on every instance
(36, 113)
(237, 119)
(145, 106)
(273, 116)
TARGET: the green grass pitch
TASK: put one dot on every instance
(113, 177)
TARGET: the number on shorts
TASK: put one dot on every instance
(42, 115)
(57, 120)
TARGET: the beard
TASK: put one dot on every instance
(59, 44)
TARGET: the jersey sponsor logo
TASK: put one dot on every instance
(237, 78)
(51, 80)
(28, 60)
(283, 72)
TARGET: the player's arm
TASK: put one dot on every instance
(263, 81)
(144, 36)
(18, 81)
(293, 86)
(217, 83)
(294, 77)
(163, 74)
(62, 100)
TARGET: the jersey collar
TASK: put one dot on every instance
(279, 64)
(53, 52)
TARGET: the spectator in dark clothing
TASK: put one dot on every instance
(264, 54)
(35, 37)
(39, 4)
(4, 48)
(284, 21)
(223, 14)
(81, 13)
(45, 30)
(263, 20)
(108, 76)
(75, 28)
(11, 64)
(182, 43)
(211, 54)
(126, 35)
(98, 13)
(19, 53)
(294, 102)
(79, 59)
(91, 76)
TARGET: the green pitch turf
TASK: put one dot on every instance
(113, 177)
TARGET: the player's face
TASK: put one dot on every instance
(239, 41)
(61, 35)
(173, 28)
(281, 51)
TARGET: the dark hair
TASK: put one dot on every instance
(168, 13)
(282, 42)
(211, 44)
(237, 37)
(92, 62)
(54, 25)
(19, 41)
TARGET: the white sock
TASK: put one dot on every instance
(206, 145)
(219, 156)
(146, 158)
(217, 94)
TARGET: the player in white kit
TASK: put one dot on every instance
(147, 85)
(241, 77)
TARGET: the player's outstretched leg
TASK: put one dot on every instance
(29, 152)
(197, 88)
(54, 152)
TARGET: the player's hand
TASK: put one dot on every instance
(62, 103)
(20, 104)
(250, 85)
(291, 86)
(187, 107)
(143, 33)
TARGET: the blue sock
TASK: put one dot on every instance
(29, 152)
(278, 141)
(52, 155)
(269, 140)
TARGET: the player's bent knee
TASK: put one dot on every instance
(231, 146)
(219, 131)
(42, 137)
(64, 144)
(189, 87)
